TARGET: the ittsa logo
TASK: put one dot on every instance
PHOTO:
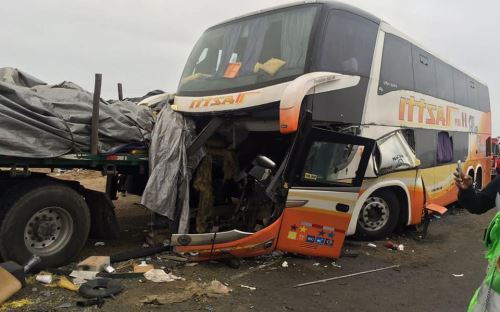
(221, 100)
(420, 112)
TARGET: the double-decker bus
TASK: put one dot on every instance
(353, 128)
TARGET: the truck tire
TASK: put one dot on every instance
(45, 218)
(379, 216)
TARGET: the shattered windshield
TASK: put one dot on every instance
(256, 50)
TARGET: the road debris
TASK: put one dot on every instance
(458, 275)
(17, 304)
(345, 276)
(100, 288)
(109, 269)
(316, 264)
(44, 278)
(160, 276)
(212, 289)
(143, 267)
(248, 287)
(334, 264)
(372, 245)
(64, 283)
(284, 264)
(93, 263)
(83, 275)
(99, 244)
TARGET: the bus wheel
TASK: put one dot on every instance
(379, 216)
(43, 218)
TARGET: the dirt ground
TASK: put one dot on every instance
(439, 273)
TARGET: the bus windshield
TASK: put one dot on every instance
(254, 50)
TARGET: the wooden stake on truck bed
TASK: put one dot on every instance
(94, 135)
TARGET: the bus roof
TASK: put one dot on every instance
(352, 9)
(328, 4)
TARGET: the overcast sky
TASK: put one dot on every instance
(144, 44)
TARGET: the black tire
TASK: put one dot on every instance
(30, 199)
(371, 229)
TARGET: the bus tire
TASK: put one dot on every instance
(379, 215)
(45, 218)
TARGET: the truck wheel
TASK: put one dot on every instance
(44, 218)
(379, 216)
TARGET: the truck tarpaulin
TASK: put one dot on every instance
(167, 190)
(40, 120)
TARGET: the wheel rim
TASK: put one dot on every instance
(48, 231)
(374, 214)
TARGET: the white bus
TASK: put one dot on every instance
(365, 127)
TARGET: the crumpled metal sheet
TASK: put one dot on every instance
(40, 121)
(167, 190)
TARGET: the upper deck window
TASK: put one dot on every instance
(254, 50)
(397, 65)
(348, 44)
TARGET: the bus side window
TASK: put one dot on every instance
(444, 148)
(409, 136)
(348, 44)
(397, 68)
(424, 72)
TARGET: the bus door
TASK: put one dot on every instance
(324, 174)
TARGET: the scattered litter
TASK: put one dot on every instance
(249, 287)
(458, 275)
(94, 263)
(392, 246)
(344, 276)
(100, 288)
(44, 278)
(175, 258)
(316, 264)
(109, 269)
(64, 283)
(372, 245)
(160, 276)
(99, 244)
(143, 267)
(83, 275)
(284, 264)
(213, 289)
(18, 304)
(191, 264)
(334, 264)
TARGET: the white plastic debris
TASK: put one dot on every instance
(98, 244)
(83, 275)
(284, 264)
(458, 275)
(334, 264)
(372, 245)
(316, 264)
(248, 287)
(160, 276)
(401, 247)
(44, 278)
(109, 269)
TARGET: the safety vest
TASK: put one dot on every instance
(487, 296)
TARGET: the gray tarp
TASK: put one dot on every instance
(39, 120)
(167, 190)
